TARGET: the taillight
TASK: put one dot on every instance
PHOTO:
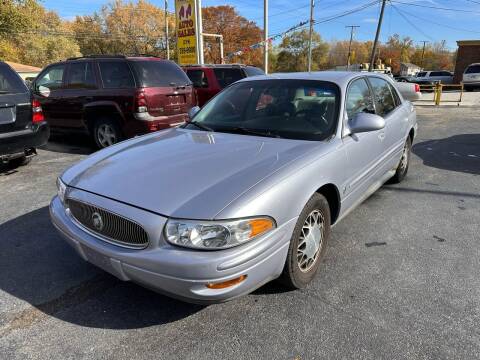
(37, 112)
(140, 102)
(417, 88)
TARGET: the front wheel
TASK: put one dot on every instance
(402, 167)
(106, 133)
(308, 243)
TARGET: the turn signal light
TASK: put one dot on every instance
(226, 284)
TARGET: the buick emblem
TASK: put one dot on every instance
(97, 221)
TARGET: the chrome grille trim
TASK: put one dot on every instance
(118, 230)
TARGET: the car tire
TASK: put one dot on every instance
(106, 132)
(20, 161)
(402, 167)
(308, 243)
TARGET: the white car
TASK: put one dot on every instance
(471, 77)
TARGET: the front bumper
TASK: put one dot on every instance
(177, 272)
(17, 142)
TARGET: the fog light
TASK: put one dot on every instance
(225, 284)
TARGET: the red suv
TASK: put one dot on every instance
(114, 97)
(208, 80)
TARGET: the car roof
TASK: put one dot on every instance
(341, 78)
(228, 66)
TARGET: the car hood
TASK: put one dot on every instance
(184, 173)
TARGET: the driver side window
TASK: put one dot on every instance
(359, 98)
(52, 79)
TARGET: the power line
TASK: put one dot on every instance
(435, 7)
(412, 23)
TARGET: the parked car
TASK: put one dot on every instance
(409, 91)
(22, 125)
(404, 78)
(247, 191)
(471, 77)
(431, 77)
(208, 80)
(114, 97)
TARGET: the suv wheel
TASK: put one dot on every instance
(106, 133)
(308, 243)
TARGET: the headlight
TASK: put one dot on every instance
(61, 189)
(216, 234)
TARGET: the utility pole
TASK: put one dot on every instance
(167, 45)
(352, 30)
(312, 7)
(265, 36)
(199, 31)
(379, 27)
(423, 50)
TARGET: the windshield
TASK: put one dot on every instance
(152, 73)
(472, 69)
(421, 74)
(294, 109)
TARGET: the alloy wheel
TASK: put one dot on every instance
(106, 135)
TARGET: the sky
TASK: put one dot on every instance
(420, 20)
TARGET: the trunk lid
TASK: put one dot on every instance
(168, 90)
(15, 101)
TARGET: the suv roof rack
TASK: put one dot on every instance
(216, 65)
(118, 56)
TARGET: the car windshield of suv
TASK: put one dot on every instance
(294, 109)
(151, 73)
(10, 83)
(473, 69)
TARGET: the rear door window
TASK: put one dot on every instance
(157, 73)
(384, 100)
(116, 75)
(473, 69)
(227, 76)
(437, 73)
(198, 78)
(51, 79)
(81, 76)
(10, 82)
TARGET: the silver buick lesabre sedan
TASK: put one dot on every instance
(245, 192)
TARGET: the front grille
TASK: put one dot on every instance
(114, 228)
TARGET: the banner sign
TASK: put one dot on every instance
(186, 39)
(269, 40)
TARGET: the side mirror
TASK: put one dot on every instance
(193, 111)
(364, 122)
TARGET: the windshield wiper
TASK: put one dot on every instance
(265, 133)
(200, 126)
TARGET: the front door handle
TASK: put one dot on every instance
(381, 136)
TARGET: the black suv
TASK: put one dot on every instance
(114, 97)
(22, 126)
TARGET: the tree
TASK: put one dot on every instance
(29, 34)
(124, 28)
(294, 52)
(238, 33)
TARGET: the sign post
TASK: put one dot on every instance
(187, 34)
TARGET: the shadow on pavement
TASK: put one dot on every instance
(459, 153)
(39, 267)
(80, 144)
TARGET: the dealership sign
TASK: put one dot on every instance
(186, 32)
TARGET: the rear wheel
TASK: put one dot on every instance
(402, 168)
(308, 243)
(106, 132)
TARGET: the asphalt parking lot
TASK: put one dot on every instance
(401, 277)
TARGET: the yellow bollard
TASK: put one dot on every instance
(438, 93)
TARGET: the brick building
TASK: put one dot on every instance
(468, 53)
